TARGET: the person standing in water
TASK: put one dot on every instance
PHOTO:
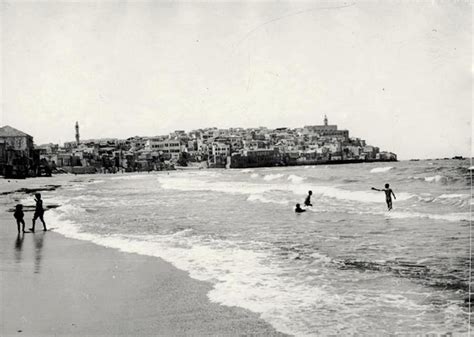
(388, 195)
(39, 212)
(307, 201)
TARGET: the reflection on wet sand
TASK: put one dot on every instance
(19, 247)
(39, 241)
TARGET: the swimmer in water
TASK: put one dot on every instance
(298, 209)
(388, 195)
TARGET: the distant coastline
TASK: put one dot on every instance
(323, 144)
(324, 162)
(202, 148)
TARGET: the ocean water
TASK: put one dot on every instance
(346, 266)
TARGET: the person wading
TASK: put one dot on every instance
(39, 212)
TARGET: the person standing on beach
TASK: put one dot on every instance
(19, 215)
(39, 212)
(307, 201)
(388, 195)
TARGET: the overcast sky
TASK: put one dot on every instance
(398, 74)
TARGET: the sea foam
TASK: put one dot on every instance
(381, 169)
(296, 298)
(261, 198)
(451, 217)
(251, 278)
(241, 277)
(187, 184)
(295, 179)
(269, 177)
(436, 179)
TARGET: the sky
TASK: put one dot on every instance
(396, 73)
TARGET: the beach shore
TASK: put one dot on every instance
(56, 286)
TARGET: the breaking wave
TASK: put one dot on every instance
(381, 169)
(295, 179)
(270, 177)
(451, 217)
(185, 184)
(261, 198)
(240, 276)
(436, 179)
(260, 256)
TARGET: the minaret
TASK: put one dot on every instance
(77, 133)
(325, 120)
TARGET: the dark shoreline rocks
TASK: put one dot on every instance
(33, 190)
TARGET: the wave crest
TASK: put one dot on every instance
(295, 179)
(381, 169)
(270, 177)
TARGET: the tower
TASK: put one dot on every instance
(77, 133)
(325, 120)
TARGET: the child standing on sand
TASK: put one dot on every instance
(39, 211)
(19, 215)
(388, 195)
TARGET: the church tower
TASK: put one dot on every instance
(325, 120)
(77, 133)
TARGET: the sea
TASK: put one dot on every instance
(346, 266)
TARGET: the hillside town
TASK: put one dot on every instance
(201, 148)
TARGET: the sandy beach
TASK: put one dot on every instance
(56, 286)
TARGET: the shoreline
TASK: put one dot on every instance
(87, 170)
(200, 167)
(54, 285)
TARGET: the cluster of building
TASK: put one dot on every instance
(18, 157)
(209, 147)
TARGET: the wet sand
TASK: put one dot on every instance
(55, 286)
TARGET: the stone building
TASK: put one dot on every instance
(17, 154)
(15, 139)
(326, 130)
